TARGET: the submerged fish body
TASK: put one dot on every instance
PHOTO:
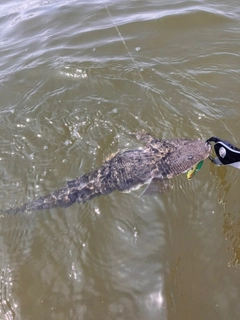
(159, 159)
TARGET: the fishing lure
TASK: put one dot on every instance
(194, 169)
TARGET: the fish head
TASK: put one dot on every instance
(184, 154)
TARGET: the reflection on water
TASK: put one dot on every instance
(231, 231)
(231, 220)
(76, 79)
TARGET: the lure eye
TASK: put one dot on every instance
(222, 152)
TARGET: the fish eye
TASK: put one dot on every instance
(222, 152)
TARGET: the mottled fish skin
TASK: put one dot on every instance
(159, 159)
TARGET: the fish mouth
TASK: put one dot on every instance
(208, 147)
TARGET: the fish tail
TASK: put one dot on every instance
(46, 202)
(79, 190)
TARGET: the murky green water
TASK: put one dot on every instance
(76, 78)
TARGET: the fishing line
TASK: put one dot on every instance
(135, 64)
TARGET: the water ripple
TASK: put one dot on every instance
(76, 78)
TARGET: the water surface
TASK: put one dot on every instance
(76, 78)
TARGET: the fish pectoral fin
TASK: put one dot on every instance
(145, 187)
(143, 136)
(158, 186)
